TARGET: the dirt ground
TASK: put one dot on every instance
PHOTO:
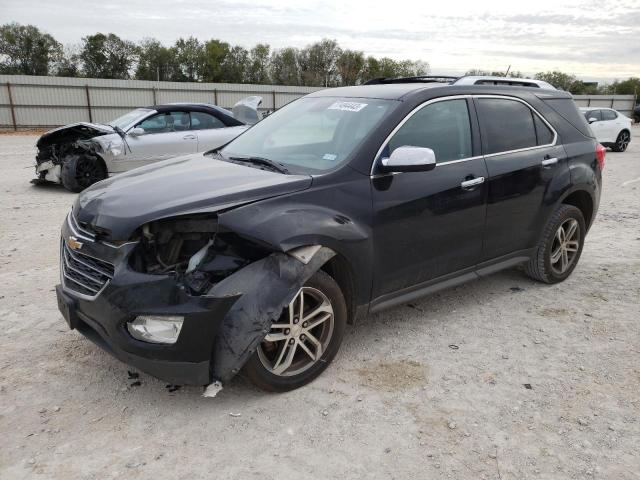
(503, 378)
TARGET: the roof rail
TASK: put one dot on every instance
(417, 79)
(509, 81)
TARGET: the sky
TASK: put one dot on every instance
(592, 39)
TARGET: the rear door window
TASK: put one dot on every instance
(442, 126)
(506, 125)
(204, 121)
(608, 115)
(543, 133)
(597, 114)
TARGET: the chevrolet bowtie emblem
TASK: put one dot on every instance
(73, 243)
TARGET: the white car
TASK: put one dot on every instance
(81, 154)
(611, 128)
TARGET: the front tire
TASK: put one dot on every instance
(304, 340)
(622, 142)
(560, 246)
(81, 171)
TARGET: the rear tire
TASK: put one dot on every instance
(321, 294)
(560, 246)
(622, 142)
(81, 171)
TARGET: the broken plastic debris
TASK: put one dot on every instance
(212, 390)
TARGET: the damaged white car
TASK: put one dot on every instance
(81, 154)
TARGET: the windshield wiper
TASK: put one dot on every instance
(262, 161)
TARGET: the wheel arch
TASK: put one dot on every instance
(583, 200)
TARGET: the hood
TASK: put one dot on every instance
(189, 184)
(73, 131)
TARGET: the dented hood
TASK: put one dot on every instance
(74, 131)
(179, 186)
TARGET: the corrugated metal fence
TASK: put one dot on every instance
(622, 103)
(33, 101)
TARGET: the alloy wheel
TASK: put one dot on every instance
(300, 336)
(566, 244)
(88, 173)
(623, 141)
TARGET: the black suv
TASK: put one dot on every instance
(345, 202)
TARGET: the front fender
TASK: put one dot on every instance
(266, 288)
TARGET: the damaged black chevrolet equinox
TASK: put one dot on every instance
(254, 257)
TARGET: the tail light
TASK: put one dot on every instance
(601, 152)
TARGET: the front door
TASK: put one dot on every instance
(429, 224)
(167, 135)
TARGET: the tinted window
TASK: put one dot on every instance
(506, 125)
(204, 121)
(543, 133)
(597, 114)
(609, 115)
(567, 109)
(166, 122)
(442, 126)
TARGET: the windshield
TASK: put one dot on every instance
(311, 135)
(129, 118)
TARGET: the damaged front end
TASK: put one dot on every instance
(217, 291)
(62, 145)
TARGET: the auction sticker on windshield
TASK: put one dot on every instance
(348, 106)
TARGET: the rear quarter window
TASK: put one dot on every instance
(566, 108)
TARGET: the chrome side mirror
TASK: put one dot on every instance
(409, 159)
(593, 119)
(136, 132)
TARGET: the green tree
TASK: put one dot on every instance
(156, 62)
(371, 69)
(561, 80)
(318, 63)
(24, 49)
(630, 86)
(284, 67)
(190, 59)
(235, 65)
(107, 56)
(215, 54)
(350, 64)
(258, 68)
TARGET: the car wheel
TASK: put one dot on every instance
(80, 172)
(304, 340)
(622, 142)
(559, 249)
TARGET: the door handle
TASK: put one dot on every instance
(547, 162)
(189, 137)
(469, 184)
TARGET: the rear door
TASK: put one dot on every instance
(211, 131)
(594, 117)
(611, 125)
(429, 224)
(522, 159)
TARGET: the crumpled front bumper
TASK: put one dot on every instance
(103, 318)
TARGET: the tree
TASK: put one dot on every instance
(235, 64)
(284, 67)
(156, 62)
(215, 54)
(318, 63)
(190, 59)
(371, 69)
(24, 49)
(350, 64)
(258, 68)
(561, 80)
(631, 86)
(67, 64)
(107, 56)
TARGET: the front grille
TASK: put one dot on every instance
(82, 273)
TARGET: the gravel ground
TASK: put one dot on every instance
(503, 378)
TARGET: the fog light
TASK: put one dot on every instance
(156, 329)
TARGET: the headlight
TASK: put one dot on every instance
(156, 329)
